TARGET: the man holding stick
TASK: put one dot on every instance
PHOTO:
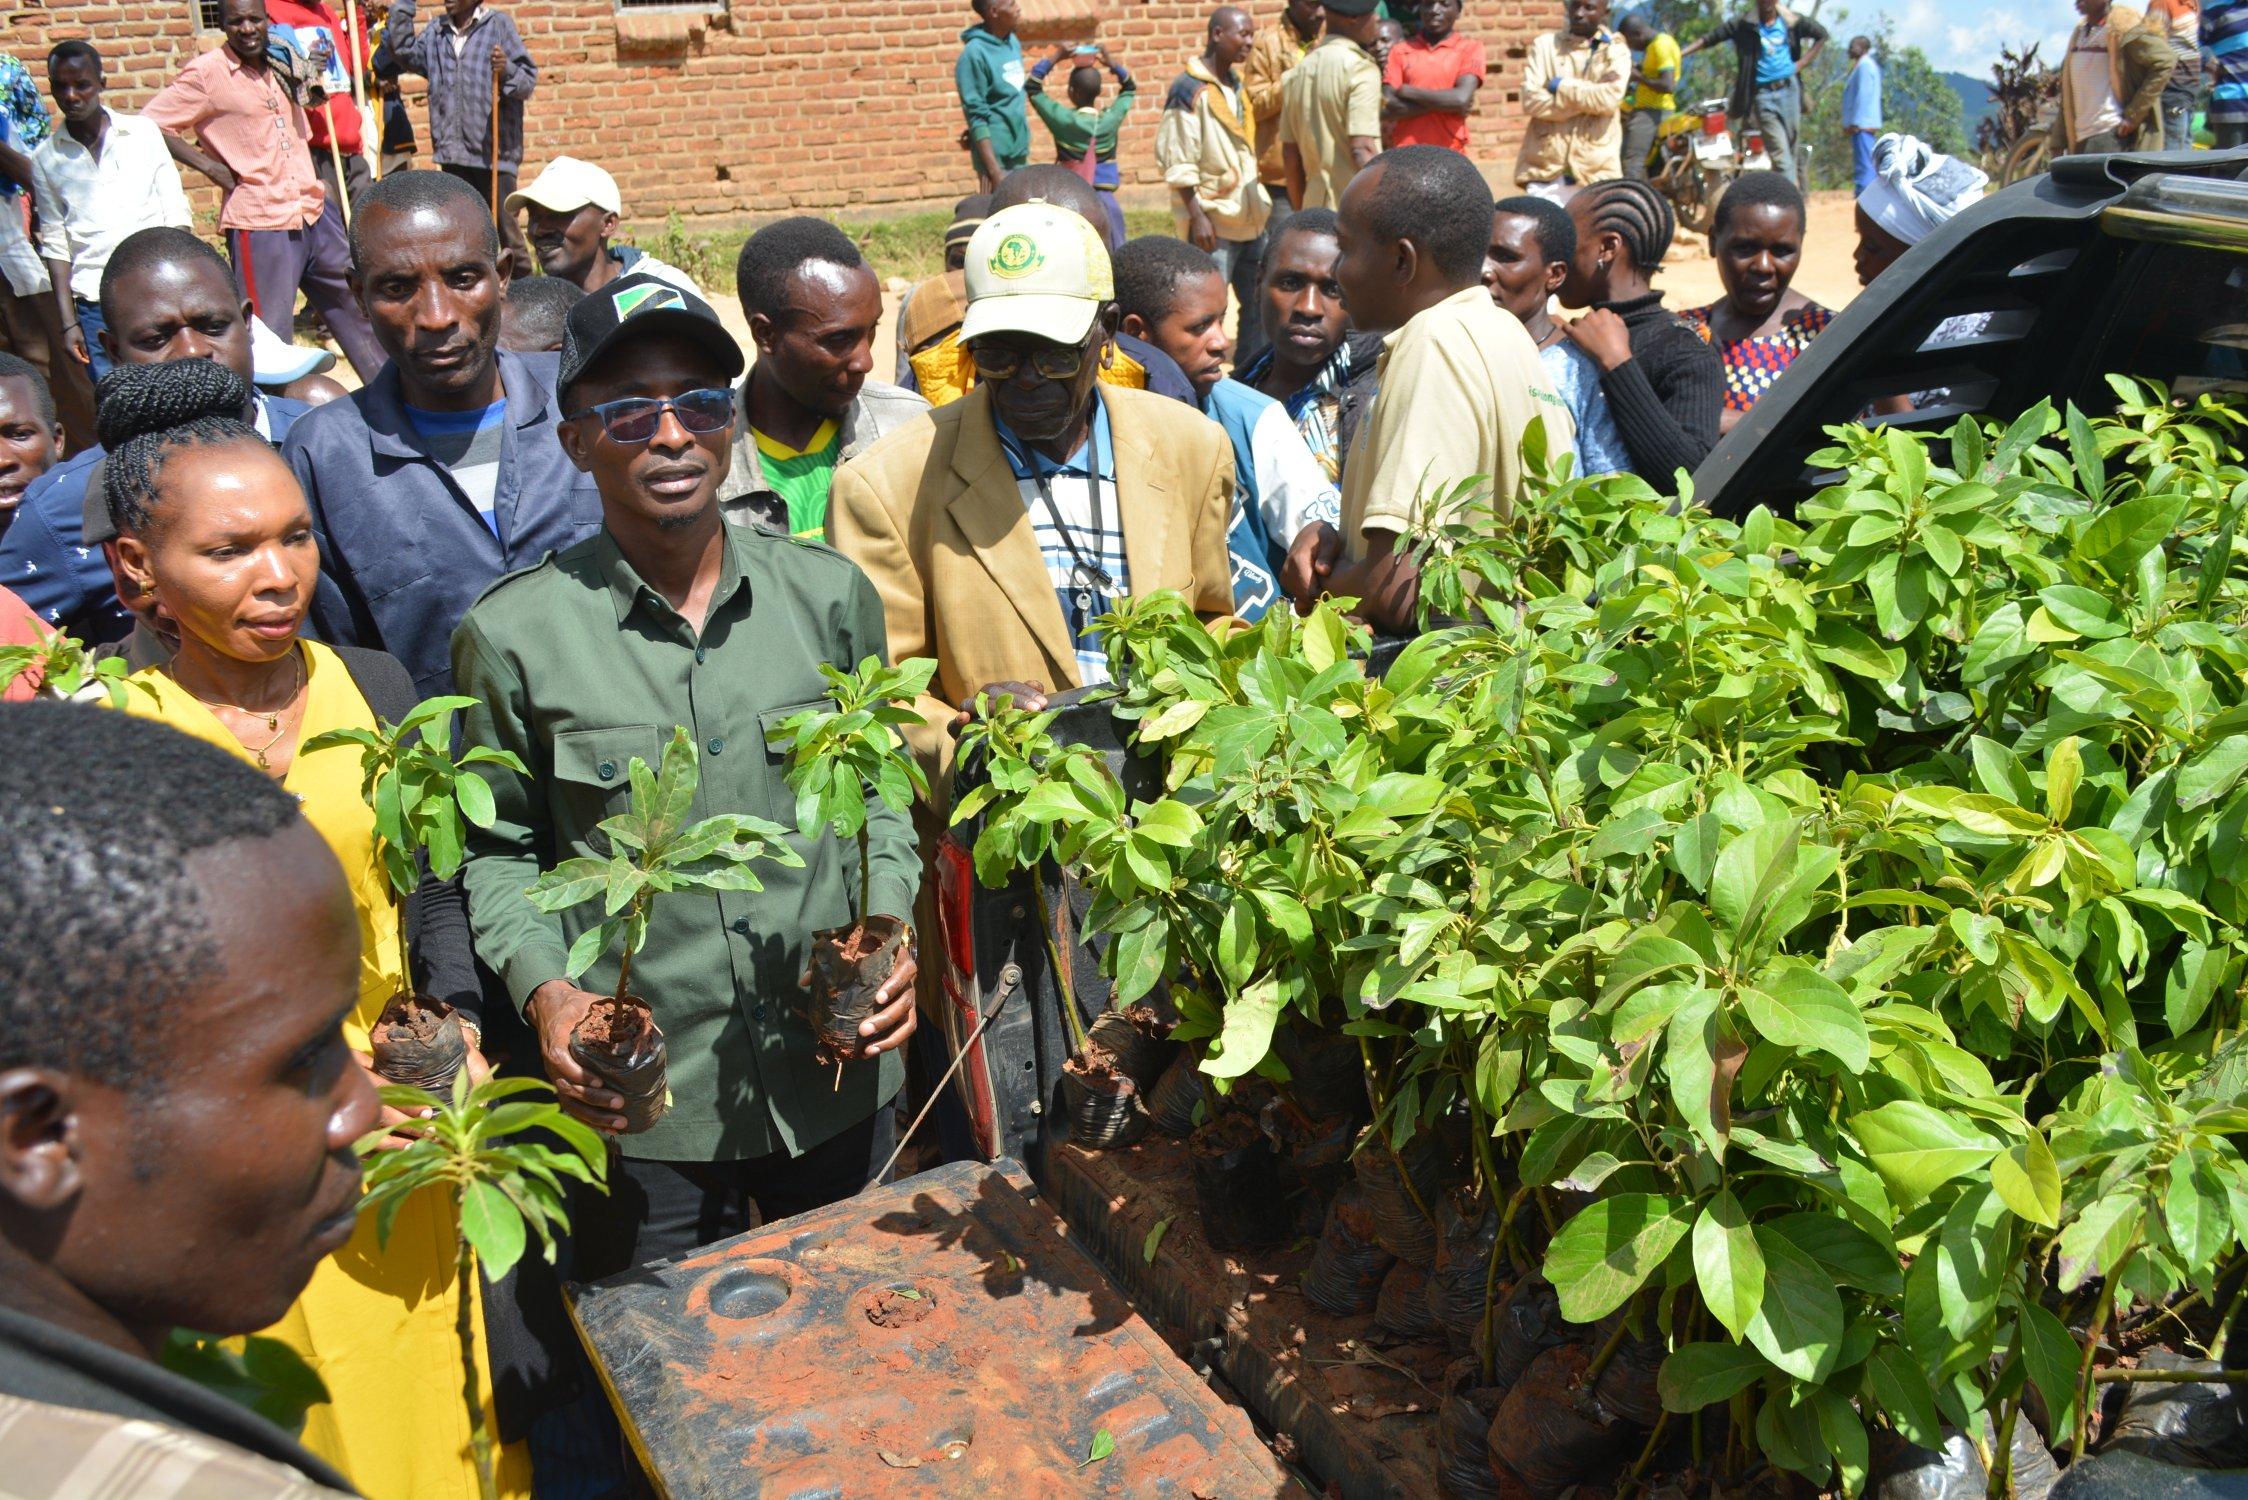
(283, 230)
(479, 77)
(322, 38)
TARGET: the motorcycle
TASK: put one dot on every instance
(1693, 161)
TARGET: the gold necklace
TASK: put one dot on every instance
(272, 720)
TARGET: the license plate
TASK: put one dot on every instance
(1714, 147)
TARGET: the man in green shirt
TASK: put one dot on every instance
(1080, 128)
(668, 616)
(814, 308)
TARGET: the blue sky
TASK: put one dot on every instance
(1962, 38)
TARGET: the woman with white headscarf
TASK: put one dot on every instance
(1915, 190)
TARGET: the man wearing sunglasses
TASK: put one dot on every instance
(443, 472)
(1000, 527)
(670, 616)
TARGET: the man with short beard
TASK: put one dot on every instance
(806, 406)
(177, 1106)
(444, 472)
(282, 229)
(669, 616)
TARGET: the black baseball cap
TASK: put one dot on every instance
(1350, 7)
(635, 305)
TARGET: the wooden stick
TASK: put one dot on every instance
(351, 40)
(499, 68)
(343, 183)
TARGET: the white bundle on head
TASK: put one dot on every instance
(1917, 189)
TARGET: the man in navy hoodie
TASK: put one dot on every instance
(164, 295)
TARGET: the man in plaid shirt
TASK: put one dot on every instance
(464, 53)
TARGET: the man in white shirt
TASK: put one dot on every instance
(99, 179)
(573, 208)
(2111, 84)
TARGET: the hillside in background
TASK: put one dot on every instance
(1974, 97)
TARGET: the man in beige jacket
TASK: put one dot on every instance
(1206, 149)
(1573, 83)
(2112, 82)
(997, 529)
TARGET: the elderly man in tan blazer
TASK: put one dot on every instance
(998, 528)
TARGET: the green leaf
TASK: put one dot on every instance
(1798, 1323)
(1845, 1434)
(490, 1223)
(1917, 1149)
(2028, 1181)
(1802, 1008)
(2084, 448)
(1897, 1382)
(1610, 1248)
(1154, 1241)
(2080, 611)
(2051, 1356)
(2122, 534)
(1728, 1266)
(1699, 1375)
(1247, 1033)
(1104, 1444)
(1843, 1250)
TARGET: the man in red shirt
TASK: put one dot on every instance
(1429, 81)
(313, 23)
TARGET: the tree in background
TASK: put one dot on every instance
(1914, 96)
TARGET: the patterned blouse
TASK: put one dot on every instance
(1753, 364)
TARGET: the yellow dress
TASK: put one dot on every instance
(376, 1321)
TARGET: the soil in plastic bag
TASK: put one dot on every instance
(1237, 1185)
(620, 1041)
(1627, 1388)
(1550, 1433)
(1100, 1101)
(848, 966)
(418, 1041)
(1347, 1267)
(1402, 1308)
(1463, 1426)
(1529, 1323)
(1907, 1471)
(1172, 1103)
(1326, 1071)
(1139, 1041)
(1462, 1276)
(2198, 1426)
(1399, 1222)
(1316, 1159)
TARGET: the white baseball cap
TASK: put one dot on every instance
(276, 362)
(1039, 269)
(567, 185)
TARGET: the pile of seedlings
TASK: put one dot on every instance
(1792, 968)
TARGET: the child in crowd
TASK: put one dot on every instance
(1085, 135)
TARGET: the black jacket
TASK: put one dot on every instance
(1741, 31)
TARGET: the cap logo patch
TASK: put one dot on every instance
(1017, 256)
(640, 299)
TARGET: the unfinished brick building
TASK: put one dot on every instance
(729, 109)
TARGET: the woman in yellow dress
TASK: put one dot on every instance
(214, 531)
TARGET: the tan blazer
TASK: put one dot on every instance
(932, 514)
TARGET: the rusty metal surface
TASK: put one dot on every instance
(1358, 1408)
(937, 1337)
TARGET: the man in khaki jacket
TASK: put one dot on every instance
(2111, 82)
(998, 528)
(1573, 83)
(1207, 152)
(1272, 57)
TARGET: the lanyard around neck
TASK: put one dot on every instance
(1085, 574)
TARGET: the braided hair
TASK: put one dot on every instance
(1636, 213)
(146, 413)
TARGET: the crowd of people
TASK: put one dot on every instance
(574, 498)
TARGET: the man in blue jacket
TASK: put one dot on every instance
(989, 77)
(164, 295)
(444, 472)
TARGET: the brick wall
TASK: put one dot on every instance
(790, 105)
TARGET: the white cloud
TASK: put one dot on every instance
(1965, 39)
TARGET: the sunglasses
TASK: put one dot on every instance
(636, 418)
(1000, 362)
